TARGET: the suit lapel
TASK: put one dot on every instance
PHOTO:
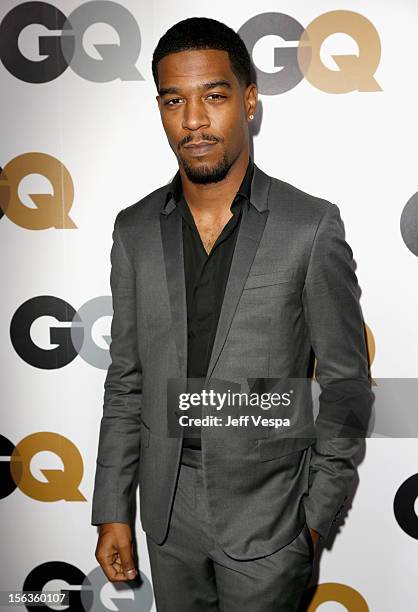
(172, 239)
(250, 231)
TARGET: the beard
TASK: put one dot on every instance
(205, 174)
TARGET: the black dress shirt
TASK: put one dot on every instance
(206, 276)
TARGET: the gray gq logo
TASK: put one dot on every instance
(65, 49)
(68, 337)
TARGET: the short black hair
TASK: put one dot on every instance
(204, 33)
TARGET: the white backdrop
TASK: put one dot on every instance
(72, 146)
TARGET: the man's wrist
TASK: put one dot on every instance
(315, 535)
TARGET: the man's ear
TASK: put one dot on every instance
(251, 98)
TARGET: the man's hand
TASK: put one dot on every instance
(114, 552)
(314, 535)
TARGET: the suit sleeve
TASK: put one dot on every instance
(119, 439)
(333, 314)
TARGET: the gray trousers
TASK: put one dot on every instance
(191, 573)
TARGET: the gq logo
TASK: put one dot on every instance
(57, 51)
(404, 506)
(91, 592)
(49, 210)
(337, 592)
(58, 485)
(70, 332)
(353, 73)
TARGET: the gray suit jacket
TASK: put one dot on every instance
(292, 291)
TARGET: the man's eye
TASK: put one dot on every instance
(176, 101)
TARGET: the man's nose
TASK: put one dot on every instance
(195, 116)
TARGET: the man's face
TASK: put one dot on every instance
(204, 111)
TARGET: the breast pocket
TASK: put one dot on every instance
(265, 287)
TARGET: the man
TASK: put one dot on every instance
(224, 275)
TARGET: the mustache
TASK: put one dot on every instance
(202, 136)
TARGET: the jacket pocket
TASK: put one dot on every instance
(271, 278)
(272, 448)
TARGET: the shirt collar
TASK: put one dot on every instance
(175, 188)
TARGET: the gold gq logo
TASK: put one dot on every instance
(50, 210)
(60, 484)
(353, 72)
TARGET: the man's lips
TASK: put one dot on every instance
(196, 149)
